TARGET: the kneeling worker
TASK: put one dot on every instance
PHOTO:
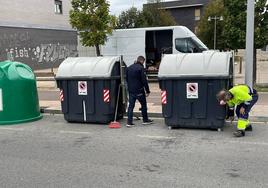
(243, 98)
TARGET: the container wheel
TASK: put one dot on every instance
(170, 127)
(219, 129)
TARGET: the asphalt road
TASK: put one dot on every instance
(52, 153)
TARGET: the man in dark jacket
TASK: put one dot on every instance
(138, 89)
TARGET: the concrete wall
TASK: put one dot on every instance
(39, 48)
(183, 11)
(34, 13)
(185, 17)
(32, 33)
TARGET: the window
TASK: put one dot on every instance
(58, 7)
(188, 45)
(181, 45)
(197, 14)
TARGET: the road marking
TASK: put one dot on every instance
(155, 137)
(249, 143)
(256, 122)
(252, 122)
(11, 129)
(74, 132)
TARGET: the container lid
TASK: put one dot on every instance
(206, 64)
(88, 67)
(15, 71)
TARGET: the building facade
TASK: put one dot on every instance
(36, 32)
(186, 12)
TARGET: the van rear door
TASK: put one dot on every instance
(158, 42)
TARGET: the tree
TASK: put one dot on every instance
(152, 15)
(206, 29)
(232, 31)
(235, 26)
(91, 18)
(131, 18)
(155, 15)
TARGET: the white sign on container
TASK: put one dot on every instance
(192, 90)
(82, 88)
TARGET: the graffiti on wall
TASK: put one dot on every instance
(43, 53)
(16, 38)
(39, 48)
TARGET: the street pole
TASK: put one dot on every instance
(215, 18)
(249, 43)
(215, 30)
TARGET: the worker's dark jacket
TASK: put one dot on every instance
(136, 79)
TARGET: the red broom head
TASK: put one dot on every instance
(114, 125)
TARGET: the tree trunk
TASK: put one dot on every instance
(254, 66)
(98, 49)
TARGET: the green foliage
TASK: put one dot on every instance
(206, 28)
(232, 30)
(91, 18)
(152, 15)
(131, 18)
(261, 23)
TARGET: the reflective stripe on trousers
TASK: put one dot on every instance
(242, 124)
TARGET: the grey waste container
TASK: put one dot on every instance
(189, 84)
(89, 88)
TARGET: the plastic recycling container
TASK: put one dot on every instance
(18, 94)
(89, 89)
(189, 84)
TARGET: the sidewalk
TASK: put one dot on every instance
(49, 101)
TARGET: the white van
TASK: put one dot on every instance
(151, 43)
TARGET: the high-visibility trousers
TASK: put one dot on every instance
(243, 119)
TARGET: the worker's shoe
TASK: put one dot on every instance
(249, 128)
(148, 122)
(239, 133)
(129, 125)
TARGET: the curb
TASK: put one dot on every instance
(259, 119)
(44, 110)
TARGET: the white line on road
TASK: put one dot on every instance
(252, 122)
(11, 129)
(249, 143)
(155, 137)
(74, 132)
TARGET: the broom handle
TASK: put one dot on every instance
(117, 102)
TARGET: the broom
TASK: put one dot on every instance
(115, 124)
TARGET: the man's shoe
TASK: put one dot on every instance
(148, 122)
(239, 133)
(129, 125)
(249, 128)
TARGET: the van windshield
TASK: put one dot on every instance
(190, 45)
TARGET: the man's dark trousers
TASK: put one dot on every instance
(132, 100)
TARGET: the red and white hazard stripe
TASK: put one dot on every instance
(106, 95)
(164, 97)
(61, 95)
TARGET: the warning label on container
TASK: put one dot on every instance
(1, 100)
(82, 88)
(192, 90)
